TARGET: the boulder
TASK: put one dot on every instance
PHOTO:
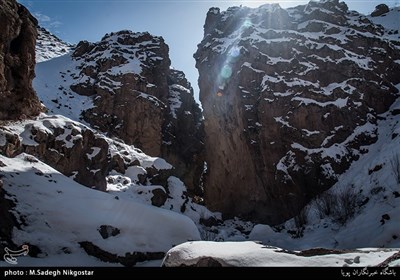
(380, 10)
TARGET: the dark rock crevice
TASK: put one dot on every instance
(129, 260)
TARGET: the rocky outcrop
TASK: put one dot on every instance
(66, 146)
(127, 73)
(290, 98)
(129, 260)
(17, 61)
(183, 132)
(137, 98)
(76, 151)
(380, 10)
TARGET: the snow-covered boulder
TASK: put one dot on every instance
(251, 254)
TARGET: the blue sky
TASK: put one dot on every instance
(180, 22)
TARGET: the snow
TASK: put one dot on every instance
(340, 102)
(132, 66)
(49, 46)
(271, 8)
(174, 100)
(365, 229)
(47, 124)
(389, 20)
(122, 149)
(52, 85)
(338, 150)
(309, 133)
(248, 65)
(157, 102)
(94, 153)
(252, 254)
(59, 213)
(282, 121)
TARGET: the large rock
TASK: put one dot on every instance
(17, 62)
(380, 10)
(75, 150)
(136, 97)
(290, 98)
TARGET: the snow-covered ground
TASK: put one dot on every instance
(49, 46)
(56, 214)
(52, 85)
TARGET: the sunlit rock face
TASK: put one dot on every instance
(290, 98)
(135, 96)
(17, 61)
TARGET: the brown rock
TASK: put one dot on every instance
(69, 150)
(150, 106)
(159, 197)
(129, 260)
(17, 62)
(380, 10)
(281, 111)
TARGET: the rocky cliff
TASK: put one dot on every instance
(17, 62)
(124, 87)
(291, 98)
(42, 155)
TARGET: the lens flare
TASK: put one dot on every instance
(232, 56)
(234, 51)
(247, 23)
(226, 72)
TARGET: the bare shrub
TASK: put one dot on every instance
(340, 206)
(300, 221)
(326, 204)
(346, 205)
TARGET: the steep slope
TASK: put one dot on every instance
(49, 46)
(372, 187)
(123, 86)
(292, 97)
(99, 162)
(63, 222)
(52, 167)
(360, 211)
(17, 60)
(389, 19)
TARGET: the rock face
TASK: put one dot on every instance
(74, 150)
(291, 98)
(135, 97)
(17, 61)
(380, 10)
